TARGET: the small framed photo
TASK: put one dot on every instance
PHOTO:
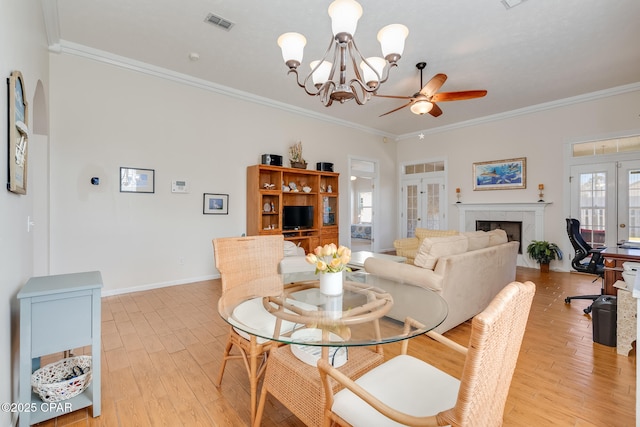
(135, 180)
(505, 174)
(215, 204)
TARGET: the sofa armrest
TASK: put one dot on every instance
(406, 273)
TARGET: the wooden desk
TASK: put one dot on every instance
(613, 260)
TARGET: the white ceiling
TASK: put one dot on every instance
(539, 53)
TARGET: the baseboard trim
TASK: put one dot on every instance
(112, 292)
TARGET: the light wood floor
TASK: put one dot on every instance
(161, 350)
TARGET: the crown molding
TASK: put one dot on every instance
(528, 110)
(70, 48)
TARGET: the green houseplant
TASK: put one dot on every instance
(543, 253)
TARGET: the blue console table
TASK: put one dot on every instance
(58, 313)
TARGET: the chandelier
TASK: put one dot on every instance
(332, 81)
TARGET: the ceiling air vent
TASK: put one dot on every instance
(219, 21)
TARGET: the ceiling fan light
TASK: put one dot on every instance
(391, 40)
(370, 77)
(292, 45)
(344, 16)
(421, 107)
(321, 75)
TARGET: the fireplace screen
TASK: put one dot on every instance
(512, 228)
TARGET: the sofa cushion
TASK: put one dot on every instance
(291, 249)
(477, 239)
(423, 233)
(497, 237)
(433, 248)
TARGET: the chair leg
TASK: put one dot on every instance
(225, 357)
(263, 398)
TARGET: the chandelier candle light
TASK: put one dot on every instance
(330, 262)
(375, 70)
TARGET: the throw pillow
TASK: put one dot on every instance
(433, 248)
(290, 249)
(477, 239)
(497, 237)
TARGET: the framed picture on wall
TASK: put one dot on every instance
(215, 204)
(505, 174)
(18, 135)
(135, 180)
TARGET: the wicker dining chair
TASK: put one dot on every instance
(248, 268)
(407, 391)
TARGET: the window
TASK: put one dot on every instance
(365, 207)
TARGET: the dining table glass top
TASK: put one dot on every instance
(371, 310)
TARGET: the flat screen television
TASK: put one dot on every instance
(297, 217)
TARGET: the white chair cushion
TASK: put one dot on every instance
(404, 383)
(252, 314)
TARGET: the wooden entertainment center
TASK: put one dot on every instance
(267, 196)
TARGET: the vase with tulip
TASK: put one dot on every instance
(330, 261)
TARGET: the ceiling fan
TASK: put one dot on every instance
(425, 101)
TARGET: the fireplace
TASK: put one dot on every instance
(530, 215)
(512, 228)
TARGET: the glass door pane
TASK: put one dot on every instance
(593, 209)
(629, 201)
(411, 209)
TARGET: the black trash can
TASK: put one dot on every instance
(604, 316)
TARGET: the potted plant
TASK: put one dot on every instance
(543, 253)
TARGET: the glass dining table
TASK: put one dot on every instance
(370, 311)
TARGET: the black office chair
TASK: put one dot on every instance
(586, 260)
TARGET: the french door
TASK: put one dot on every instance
(422, 204)
(605, 197)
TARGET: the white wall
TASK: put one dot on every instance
(23, 48)
(104, 117)
(540, 137)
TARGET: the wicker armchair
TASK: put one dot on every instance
(249, 267)
(412, 392)
(408, 246)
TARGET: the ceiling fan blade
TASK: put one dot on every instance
(458, 96)
(393, 96)
(399, 108)
(434, 84)
(435, 111)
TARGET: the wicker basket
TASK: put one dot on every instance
(57, 381)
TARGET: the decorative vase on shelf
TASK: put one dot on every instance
(331, 283)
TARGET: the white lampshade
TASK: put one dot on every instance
(378, 64)
(321, 75)
(292, 45)
(344, 16)
(392, 39)
(421, 107)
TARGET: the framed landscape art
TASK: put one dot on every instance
(136, 180)
(505, 174)
(215, 204)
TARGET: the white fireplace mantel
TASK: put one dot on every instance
(530, 214)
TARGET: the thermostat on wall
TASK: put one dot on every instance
(179, 186)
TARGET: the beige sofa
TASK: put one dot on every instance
(408, 246)
(467, 270)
